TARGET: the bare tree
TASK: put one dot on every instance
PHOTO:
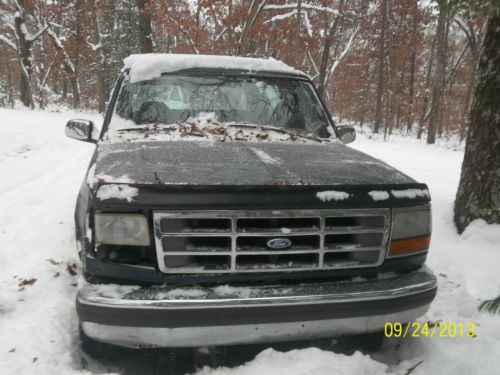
(23, 45)
(145, 31)
(381, 67)
(439, 76)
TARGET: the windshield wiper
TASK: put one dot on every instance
(143, 128)
(275, 129)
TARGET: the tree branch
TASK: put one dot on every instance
(8, 42)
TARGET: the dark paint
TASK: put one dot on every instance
(237, 163)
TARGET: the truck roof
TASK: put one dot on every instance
(144, 67)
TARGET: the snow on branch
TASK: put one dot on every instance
(94, 46)
(303, 6)
(313, 63)
(8, 42)
(59, 46)
(344, 52)
(32, 37)
(281, 17)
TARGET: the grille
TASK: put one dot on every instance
(238, 241)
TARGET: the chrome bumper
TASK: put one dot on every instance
(191, 317)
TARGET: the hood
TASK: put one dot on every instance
(240, 163)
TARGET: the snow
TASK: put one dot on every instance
(332, 195)
(238, 292)
(410, 193)
(90, 176)
(114, 290)
(379, 195)
(311, 361)
(148, 66)
(41, 173)
(203, 128)
(265, 157)
(183, 293)
(304, 6)
(117, 191)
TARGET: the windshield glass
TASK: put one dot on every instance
(284, 103)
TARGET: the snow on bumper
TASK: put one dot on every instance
(190, 317)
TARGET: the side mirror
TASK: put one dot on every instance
(346, 133)
(82, 130)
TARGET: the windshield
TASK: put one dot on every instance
(284, 103)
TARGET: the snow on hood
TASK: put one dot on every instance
(144, 67)
(117, 191)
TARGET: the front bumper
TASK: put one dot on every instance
(202, 316)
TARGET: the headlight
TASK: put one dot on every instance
(411, 230)
(118, 229)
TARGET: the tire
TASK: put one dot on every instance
(365, 342)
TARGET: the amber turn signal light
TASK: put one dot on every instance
(409, 245)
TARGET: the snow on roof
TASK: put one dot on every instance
(148, 66)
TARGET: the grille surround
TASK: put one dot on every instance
(235, 236)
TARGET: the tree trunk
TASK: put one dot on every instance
(298, 37)
(467, 100)
(474, 46)
(101, 94)
(439, 77)
(64, 88)
(478, 194)
(145, 32)
(325, 53)
(423, 114)
(25, 58)
(381, 59)
(413, 61)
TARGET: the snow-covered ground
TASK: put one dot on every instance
(41, 171)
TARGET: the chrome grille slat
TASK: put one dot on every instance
(352, 231)
(358, 239)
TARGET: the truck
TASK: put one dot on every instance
(222, 206)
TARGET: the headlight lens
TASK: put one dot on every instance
(119, 229)
(411, 231)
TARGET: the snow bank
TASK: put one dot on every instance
(480, 230)
(148, 66)
(117, 191)
(332, 195)
(311, 361)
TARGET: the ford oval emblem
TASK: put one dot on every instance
(279, 243)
